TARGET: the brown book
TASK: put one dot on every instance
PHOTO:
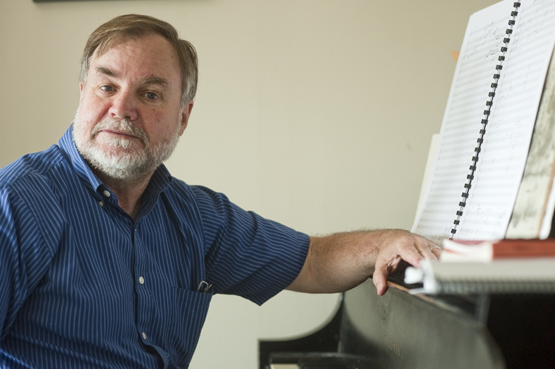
(461, 250)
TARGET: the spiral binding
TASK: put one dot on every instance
(489, 104)
(495, 286)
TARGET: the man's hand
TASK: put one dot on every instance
(339, 262)
(396, 245)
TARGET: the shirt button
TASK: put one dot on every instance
(141, 280)
(106, 193)
(144, 335)
(101, 203)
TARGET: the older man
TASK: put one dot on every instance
(106, 261)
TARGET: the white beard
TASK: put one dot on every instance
(124, 160)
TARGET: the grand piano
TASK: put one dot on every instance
(404, 330)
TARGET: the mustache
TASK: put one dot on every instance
(122, 125)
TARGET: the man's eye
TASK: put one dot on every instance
(107, 88)
(151, 96)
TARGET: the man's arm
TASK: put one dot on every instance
(342, 261)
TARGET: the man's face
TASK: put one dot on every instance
(130, 118)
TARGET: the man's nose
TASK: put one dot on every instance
(124, 105)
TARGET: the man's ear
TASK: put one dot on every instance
(81, 89)
(185, 114)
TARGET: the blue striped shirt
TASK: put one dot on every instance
(84, 286)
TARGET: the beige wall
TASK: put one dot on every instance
(315, 113)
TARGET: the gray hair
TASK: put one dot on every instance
(132, 26)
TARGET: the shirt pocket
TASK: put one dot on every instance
(190, 310)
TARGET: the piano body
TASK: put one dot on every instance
(403, 330)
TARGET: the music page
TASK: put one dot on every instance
(514, 97)
(462, 120)
(511, 123)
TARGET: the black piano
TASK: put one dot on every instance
(404, 330)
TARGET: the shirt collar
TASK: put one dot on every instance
(159, 182)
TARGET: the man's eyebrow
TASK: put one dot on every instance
(106, 71)
(153, 80)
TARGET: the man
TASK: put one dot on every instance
(106, 261)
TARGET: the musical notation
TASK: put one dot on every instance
(498, 80)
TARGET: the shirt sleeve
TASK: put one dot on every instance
(248, 255)
(25, 252)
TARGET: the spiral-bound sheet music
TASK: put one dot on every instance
(488, 122)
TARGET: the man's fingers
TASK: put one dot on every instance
(428, 249)
(380, 281)
(432, 250)
(411, 249)
(414, 251)
(385, 265)
(436, 250)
